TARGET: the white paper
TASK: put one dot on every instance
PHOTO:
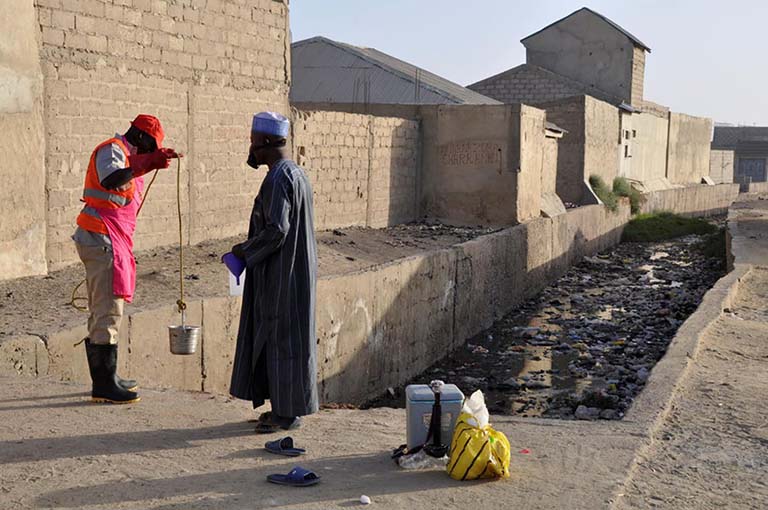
(234, 288)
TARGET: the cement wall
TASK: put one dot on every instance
(22, 145)
(585, 48)
(202, 67)
(648, 147)
(549, 165)
(755, 187)
(363, 169)
(569, 115)
(695, 200)
(688, 150)
(481, 163)
(721, 166)
(601, 140)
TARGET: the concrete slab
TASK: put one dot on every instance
(149, 352)
(551, 205)
(68, 362)
(24, 355)
(748, 226)
(221, 320)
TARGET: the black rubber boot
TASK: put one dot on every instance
(102, 362)
(128, 384)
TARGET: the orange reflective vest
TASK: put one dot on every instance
(97, 196)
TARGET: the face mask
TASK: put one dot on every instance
(252, 161)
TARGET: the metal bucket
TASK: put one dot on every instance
(184, 339)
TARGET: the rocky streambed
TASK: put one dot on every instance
(585, 347)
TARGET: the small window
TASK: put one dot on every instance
(634, 134)
(627, 154)
(626, 134)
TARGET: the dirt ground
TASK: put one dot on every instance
(39, 304)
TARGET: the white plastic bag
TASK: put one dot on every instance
(420, 460)
(475, 407)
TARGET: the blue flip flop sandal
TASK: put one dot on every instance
(285, 447)
(297, 477)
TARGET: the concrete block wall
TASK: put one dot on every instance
(22, 145)
(688, 151)
(638, 76)
(527, 84)
(395, 172)
(364, 169)
(721, 166)
(202, 66)
(334, 149)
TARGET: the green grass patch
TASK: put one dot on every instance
(664, 225)
(622, 188)
(713, 246)
(604, 193)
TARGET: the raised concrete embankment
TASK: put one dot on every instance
(755, 187)
(376, 327)
(697, 200)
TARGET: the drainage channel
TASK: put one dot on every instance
(585, 346)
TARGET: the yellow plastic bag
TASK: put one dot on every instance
(477, 449)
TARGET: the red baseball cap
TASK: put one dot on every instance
(151, 126)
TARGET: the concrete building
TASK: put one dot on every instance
(334, 75)
(588, 73)
(750, 151)
(583, 53)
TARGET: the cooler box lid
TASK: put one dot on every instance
(423, 393)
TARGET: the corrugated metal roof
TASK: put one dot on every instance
(330, 71)
(615, 25)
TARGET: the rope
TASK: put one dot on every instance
(180, 303)
(75, 297)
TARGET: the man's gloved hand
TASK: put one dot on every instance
(238, 252)
(170, 153)
(143, 163)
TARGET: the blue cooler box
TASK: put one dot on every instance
(418, 409)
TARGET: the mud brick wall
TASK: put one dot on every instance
(363, 169)
(202, 66)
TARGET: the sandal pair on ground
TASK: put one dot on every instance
(296, 477)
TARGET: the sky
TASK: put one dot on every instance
(708, 57)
